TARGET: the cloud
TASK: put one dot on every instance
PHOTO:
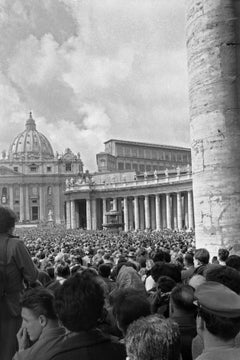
(96, 70)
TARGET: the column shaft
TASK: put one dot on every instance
(179, 211)
(158, 214)
(73, 215)
(136, 213)
(94, 214)
(68, 214)
(168, 211)
(147, 212)
(22, 217)
(125, 207)
(88, 214)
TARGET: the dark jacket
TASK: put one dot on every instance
(89, 345)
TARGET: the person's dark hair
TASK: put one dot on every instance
(7, 219)
(165, 284)
(225, 275)
(104, 270)
(79, 302)
(50, 271)
(183, 296)
(165, 269)
(63, 270)
(40, 301)
(129, 305)
(223, 254)
(202, 255)
(161, 255)
(233, 261)
(153, 337)
(222, 327)
(188, 259)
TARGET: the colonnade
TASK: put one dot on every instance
(154, 211)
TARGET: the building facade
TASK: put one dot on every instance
(162, 201)
(32, 177)
(120, 155)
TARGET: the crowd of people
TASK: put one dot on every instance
(144, 295)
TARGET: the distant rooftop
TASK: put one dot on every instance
(148, 144)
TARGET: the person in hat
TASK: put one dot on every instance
(218, 321)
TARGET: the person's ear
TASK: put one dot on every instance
(200, 323)
(43, 320)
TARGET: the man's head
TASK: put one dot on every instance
(37, 311)
(234, 262)
(153, 337)
(181, 299)
(79, 301)
(223, 254)
(188, 260)
(128, 305)
(7, 220)
(201, 257)
(225, 275)
(218, 311)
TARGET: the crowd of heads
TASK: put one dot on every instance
(143, 287)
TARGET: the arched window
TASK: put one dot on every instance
(4, 195)
(50, 190)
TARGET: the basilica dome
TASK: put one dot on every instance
(31, 143)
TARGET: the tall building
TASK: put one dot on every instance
(121, 155)
(32, 177)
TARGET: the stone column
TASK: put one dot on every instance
(11, 196)
(213, 38)
(179, 211)
(147, 212)
(22, 217)
(168, 211)
(164, 212)
(152, 212)
(141, 211)
(73, 215)
(27, 203)
(57, 204)
(88, 214)
(94, 214)
(174, 211)
(185, 204)
(190, 211)
(136, 213)
(158, 214)
(68, 214)
(104, 210)
(125, 207)
(41, 202)
(114, 204)
(130, 213)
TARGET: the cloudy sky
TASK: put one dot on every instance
(91, 70)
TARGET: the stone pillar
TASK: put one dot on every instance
(168, 211)
(68, 214)
(114, 204)
(27, 203)
(152, 212)
(94, 214)
(164, 212)
(136, 213)
(73, 215)
(22, 217)
(158, 214)
(185, 204)
(130, 214)
(174, 211)
(57, 214)
(11, 196)
(125, 207)
(213, 38)
(179, 211)
(88, 214)
(104, 202)
(147, 212)
(190, 211)
(41, 202)
(141, 211)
